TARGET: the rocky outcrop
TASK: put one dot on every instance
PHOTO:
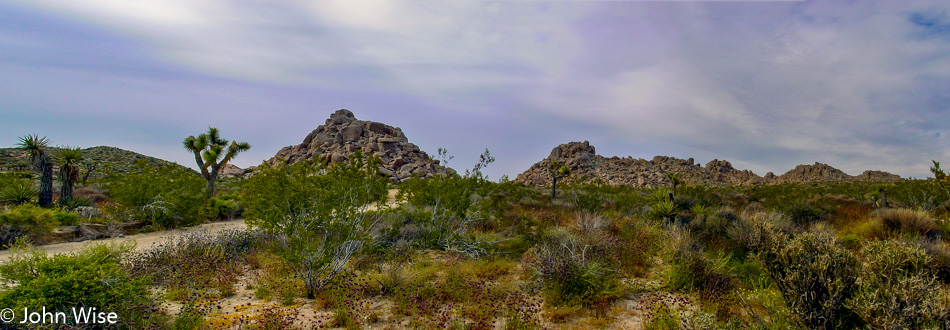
(587, 166)
(812, 173)
(878, 176)
(342, 135)
(233, 171)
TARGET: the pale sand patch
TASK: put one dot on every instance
(147, 240)
(143, 241)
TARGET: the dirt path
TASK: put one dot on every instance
(147, 240)
(143, 241)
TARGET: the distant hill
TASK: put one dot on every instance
(585, 164)
(118, 160)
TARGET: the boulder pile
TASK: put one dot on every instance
(587, 166)
(342, 135)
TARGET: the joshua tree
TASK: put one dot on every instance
(674, 179)
(557, 171)
(211, 153)
(36, 147)
(69, 159)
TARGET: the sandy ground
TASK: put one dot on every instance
(147, 240)
(143, 241)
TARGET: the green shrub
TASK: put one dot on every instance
(805, 213)
(815, 275)
(167, 196)
(569, 275)
(198, 261)
(64, 218)
(26, 220)
(691, 269)
(896, 290)
(223, 208)
(92, 277)
(317, 215)
(902, 222)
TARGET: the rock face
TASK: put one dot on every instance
(586, 165)
(342, 135)
(812, 173)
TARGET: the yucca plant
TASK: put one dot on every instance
(20, 192)
(664, 209)
(36, 147)
(69, 158)
(212, 153)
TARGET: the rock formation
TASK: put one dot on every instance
(586, 165)
(342, 135)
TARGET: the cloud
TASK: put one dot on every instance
(766, 85)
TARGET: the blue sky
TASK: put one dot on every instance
(766, 85)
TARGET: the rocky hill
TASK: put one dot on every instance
(586, 165)
(342, 135)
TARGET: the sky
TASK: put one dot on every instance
(766, 85)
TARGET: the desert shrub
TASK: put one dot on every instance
(91, 193)
(710, 225)
(167, 196)
(901, 222)
(636, 245)
(896, 290)
(804, 213)
(225, 207)
(815, 275)
(28, 221)
(18, 192)
(317, 214)
(442, 211)
(664, 311)
(755, 229)
(461, 298)
(64, 218)
(93, 277)
(569, 275)
(691, 269)
(197, 261)
(587, 197)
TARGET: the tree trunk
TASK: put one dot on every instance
(46, 184)
(884, 198)
(67, 193)
(554, 188)
(211, 179)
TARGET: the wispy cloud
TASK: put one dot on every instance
(766, 85)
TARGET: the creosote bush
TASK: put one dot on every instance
(318, 215)
(896, 290)
(166, 196)
(28, 221)
(815, 275)
(93, 277)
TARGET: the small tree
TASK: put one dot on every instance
(36, 147)
(557, 171)
(88, 168)
(69, 159)
(941, 179)
(211, 153)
